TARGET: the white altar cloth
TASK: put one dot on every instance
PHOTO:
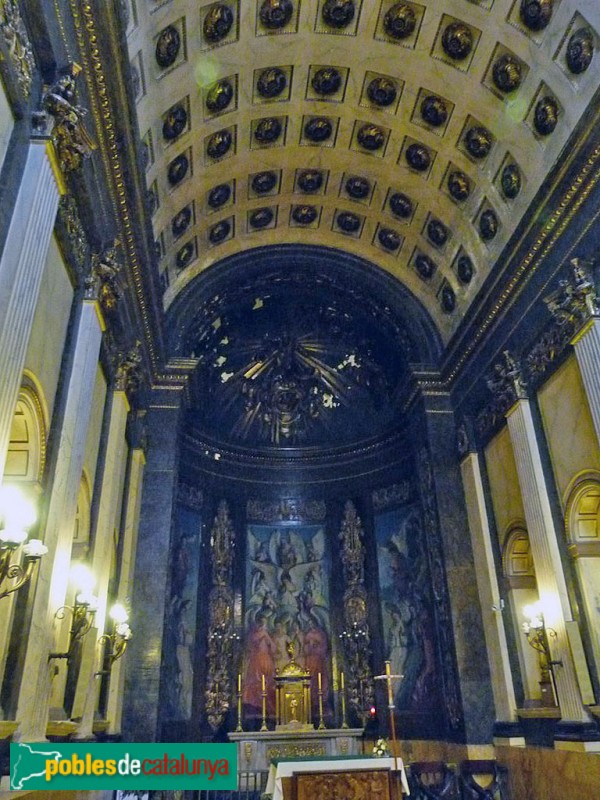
(285, 768)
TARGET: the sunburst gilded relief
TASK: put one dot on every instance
(285, 372)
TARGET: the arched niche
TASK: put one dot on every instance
(519, 571)
(26, 456)
(582, 529)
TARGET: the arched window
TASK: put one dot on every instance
(582, 520)
(519, 570)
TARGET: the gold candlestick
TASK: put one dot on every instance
(343, 695)
(239, 728)
(321, 721)
(263, 727)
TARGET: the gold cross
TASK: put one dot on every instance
(388, 677)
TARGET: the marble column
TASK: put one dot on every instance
(21, 269)
(489, 598)
(141, 703)
(587, 351)
(130, 535)
(51, 586)
(460, 628)
(108, 521)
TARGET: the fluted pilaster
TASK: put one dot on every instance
(21, 270)
(487, 587)
(51, 586)
(108, 520)
(587, 351)
(546, 556)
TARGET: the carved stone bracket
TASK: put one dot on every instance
(435, 555)
(104, 281)
(220, 619)
(128, 369)
(507, 386)
(355, 637)
(575, 301)
(18, 43)
(71, 139)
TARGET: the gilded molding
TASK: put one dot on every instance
(88, 43)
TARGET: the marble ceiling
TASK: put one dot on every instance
(414, 135)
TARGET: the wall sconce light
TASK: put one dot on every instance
(116, 641)
(537, 637)
(82, 611)
(17, 515)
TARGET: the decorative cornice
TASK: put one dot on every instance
(286, 510)
(83, 14)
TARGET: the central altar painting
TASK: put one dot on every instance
(286, 602)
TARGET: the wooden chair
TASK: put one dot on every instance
(432, 780)
(483, 780)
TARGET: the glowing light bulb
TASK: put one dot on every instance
(119, 613)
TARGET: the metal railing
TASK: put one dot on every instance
(251, 786)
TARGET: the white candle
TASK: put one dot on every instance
(342, 680)
(263, 683)
(319, 677)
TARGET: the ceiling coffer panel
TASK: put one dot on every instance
(373, 127)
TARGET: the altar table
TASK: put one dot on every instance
(285, 768)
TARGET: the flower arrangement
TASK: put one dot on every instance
(381, 748)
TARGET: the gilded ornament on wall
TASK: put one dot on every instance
(104, 282)
(72, 141)
(355, 638)
(220, 619)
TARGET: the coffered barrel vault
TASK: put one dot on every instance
(414, 135)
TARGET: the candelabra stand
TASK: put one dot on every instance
(239, 728)
(343, 699)
(321, 720)
(263, 727)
